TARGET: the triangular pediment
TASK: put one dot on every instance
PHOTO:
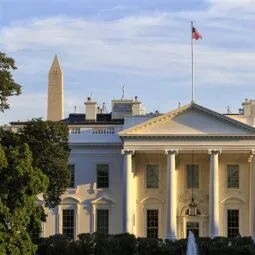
(102, 200)
(191, 119)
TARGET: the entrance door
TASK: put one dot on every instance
(194, 227)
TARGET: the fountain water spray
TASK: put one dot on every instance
(192, 246)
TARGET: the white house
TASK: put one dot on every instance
(158, 175)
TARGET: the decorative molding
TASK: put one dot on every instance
(214, 151)
(171, 151)
(186, 197)
(252, 153)
(70, 200)
(124, 152)
(102, 200)
(151, 200)
(232, 199)
(187, 137)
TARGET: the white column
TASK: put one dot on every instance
(59, 219)
(128, 199)
(252, 196)
(77, 221)
(171, 205)
(214, 193)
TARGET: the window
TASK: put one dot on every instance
(233, 176)
(103, 221)
(192, 177)
(102, 176)
(152, 223)
(72, 181)
(152, 176)
(68, 223)
(233, 223)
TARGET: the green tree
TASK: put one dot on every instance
(48, 142)
(8, 87)
(20, 185)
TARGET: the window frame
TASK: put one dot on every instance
(227, 221)
(234, 203)
(147, 227)
(96, 175)
(108, 220)
(187, 176)
(74, 222)
(153, 204)
(145, 176)
(227, 183)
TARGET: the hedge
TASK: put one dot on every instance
(126, 244)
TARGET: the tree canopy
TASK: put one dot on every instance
(48, 142)
(8, 87)
(20, 185)
(33, 161)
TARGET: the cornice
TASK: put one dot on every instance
(186, 137)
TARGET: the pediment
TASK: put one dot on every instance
(70, 200)
(102, 200)
(150, 200)
(189, 120)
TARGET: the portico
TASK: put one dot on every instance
(163, 149)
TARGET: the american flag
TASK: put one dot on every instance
(195, 34)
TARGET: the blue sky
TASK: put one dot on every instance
(144, 45)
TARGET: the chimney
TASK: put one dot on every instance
(136, 107)
(91, 109)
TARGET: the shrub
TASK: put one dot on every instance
(126, 244)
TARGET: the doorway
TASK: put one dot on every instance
(194, 227)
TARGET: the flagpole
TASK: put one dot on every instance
(192, 59)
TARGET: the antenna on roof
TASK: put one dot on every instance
(123, 92)
(75, 109)
(228, 109)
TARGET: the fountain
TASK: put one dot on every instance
(191, 246)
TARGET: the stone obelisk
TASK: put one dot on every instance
(55, 92)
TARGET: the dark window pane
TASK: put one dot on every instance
(233, 176)
(103, 221)
(68, 223)
(72, 171)
(192, 176)
(102, 176)
(152, 223)
(233, 223)
(152, 176)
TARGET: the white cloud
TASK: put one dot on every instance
(231, 4)
(149, 44)
(153, 44)
(34, 105)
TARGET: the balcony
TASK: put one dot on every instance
(95, 135)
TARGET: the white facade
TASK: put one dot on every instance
(145, 166)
